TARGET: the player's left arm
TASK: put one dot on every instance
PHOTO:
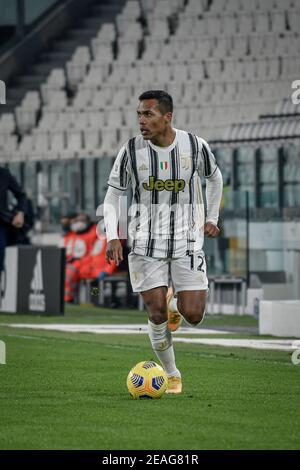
(214, 187)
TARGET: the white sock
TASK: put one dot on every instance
(161, 340)
(173, 305)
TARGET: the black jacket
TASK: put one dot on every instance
(9, 183)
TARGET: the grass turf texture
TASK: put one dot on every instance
(67, 391)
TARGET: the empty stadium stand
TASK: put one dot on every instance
(229, 66)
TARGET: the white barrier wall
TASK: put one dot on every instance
(280, 318)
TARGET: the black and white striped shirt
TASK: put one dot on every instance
(169, 210)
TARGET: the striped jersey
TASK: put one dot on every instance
(167, 208)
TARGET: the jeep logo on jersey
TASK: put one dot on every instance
(159, 185)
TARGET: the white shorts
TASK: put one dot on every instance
(185, 273)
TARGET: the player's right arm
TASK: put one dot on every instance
(118, 182)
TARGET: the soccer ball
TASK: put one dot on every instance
(147, 380)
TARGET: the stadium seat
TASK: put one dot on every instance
(107, 33)
(82, 119)
(113, 118)
(56, 81)
(266, 5)
(158, 28)
(212, 68)
(233, 69)
(109, 143)
(147, 5)
(221, 47)
(256, 45)
(26, 146)
(261, 22)
(127, 52)
(146, 73)
(97, 74)
(195, 8)
(212, 24)
(128, 30)
(245, 23)
(121, 97)
(57, 99)
(8, 146)
(237, 46)
(41, 141)
(131, 10)
(152, 49)
(57, 141)
(102, 52)
(130, 116)
(168, 52)
(181, 117)
(91, 140)
(126, 133)
(290, 67)
(190, 93)
(163, 72)
(83, 99)
(278, 21)
(26, 113)
(76, 68)
(233, 6)
(74, 140)
(217, 7)
(7, 123)
(188, 27)
(180, 72)
(175, 89)
(204, 48)
(101, 98)
(96, 119)
(26, 119)
(294, 20)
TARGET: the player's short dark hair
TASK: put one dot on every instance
(70, 215)
(165, 100)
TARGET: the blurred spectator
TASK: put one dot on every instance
(65, 222)
(85, 254)
(19, 236)
(10, 218)
(68, 235)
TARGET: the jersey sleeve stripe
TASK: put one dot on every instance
(116, 187)
(137, 195)
(123, 164)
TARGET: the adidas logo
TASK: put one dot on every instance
(143, 167)
(37, 297)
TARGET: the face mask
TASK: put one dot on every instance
(79, 226)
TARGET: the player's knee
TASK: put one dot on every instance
(157, 312)
(194, 315)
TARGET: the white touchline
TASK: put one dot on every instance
(273, 344)
(133, 329)
(110, 329)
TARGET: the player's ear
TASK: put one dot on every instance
(169, 116)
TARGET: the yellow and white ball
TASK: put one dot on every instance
(147, 380)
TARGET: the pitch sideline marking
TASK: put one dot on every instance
(109, 329)
(268, 344)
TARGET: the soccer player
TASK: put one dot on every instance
(163, 166)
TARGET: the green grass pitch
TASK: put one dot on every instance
(68, 391)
